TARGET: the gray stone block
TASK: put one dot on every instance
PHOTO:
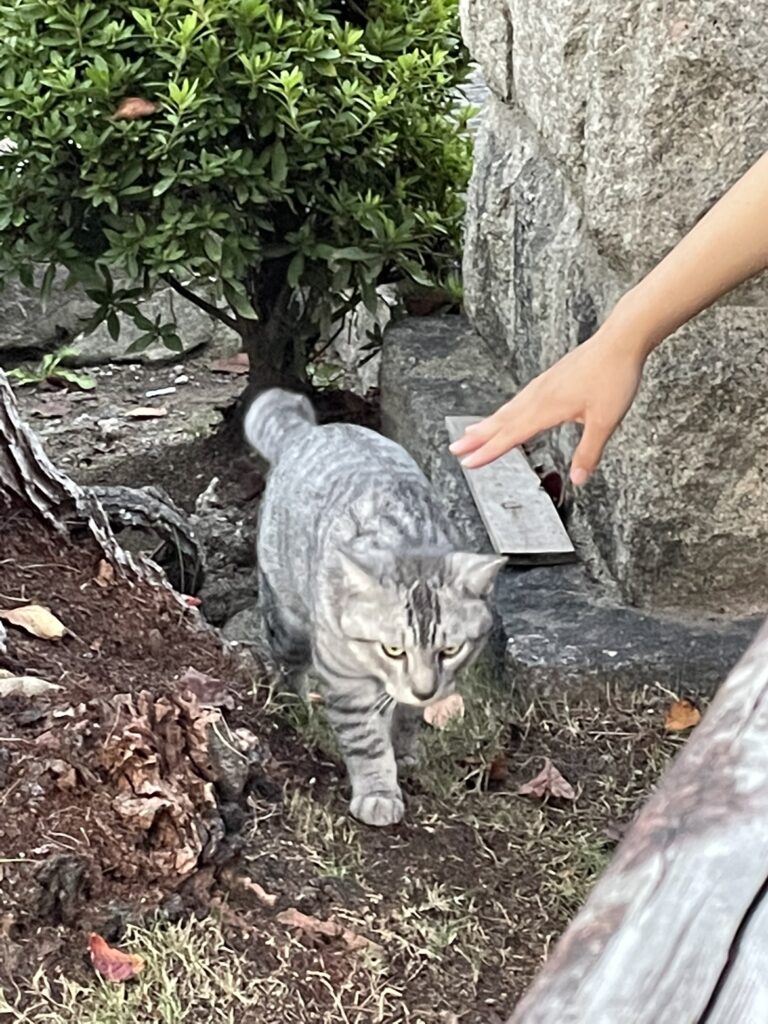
(28, 326)
(558, 627)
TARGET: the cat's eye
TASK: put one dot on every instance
(451, 650)
(393, 651)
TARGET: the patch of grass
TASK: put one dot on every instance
(190, 974)
(193, 975)
(326, 833)
(432, 919)
(305, 716)
(455, 761)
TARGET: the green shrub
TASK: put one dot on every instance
(272, 160)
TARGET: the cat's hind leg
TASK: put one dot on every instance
(406, 730)
(285, 637)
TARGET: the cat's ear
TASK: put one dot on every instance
(358, 577)
(476, 574)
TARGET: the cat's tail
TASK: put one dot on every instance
(275, 420)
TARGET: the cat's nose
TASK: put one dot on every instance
(424, 689)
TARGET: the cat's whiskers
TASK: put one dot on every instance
(381, 706)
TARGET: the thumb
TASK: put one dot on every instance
(588, 453)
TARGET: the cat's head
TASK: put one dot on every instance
(413, 622)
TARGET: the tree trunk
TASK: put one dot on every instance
(30, 481)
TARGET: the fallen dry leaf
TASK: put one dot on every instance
(133, 107)
(498, 769)
(681, 715)
(35, 619)
(51, 410)
(549, 782)
(105, 575)
(231, 364)
(209, 691)
(442, 712)
(147, 412)
(113, 964)
(312, 926)
(24, 686)
(261, 894)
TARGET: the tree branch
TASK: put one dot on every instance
(204, 304)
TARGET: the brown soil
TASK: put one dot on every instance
(104, 782)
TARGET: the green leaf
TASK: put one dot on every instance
(143, 342)
(48, 363)
(162, 186)
(113, 326)
(295, 270)
(66, 352)
(370, 298)
(80, 380)
(173, 342)
(22, 376)
(47, 283)
(143, 322)
(279, 163)
(239, 303)
(212, 247)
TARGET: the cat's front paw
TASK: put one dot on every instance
(379, 809)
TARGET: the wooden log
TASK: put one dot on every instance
(743, 996)
(676, 931)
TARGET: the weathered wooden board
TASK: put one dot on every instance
(517, 512)
(676, 931)
(743, 996)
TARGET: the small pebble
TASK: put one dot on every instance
(159, 392)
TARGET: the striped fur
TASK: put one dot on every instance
(363, 581)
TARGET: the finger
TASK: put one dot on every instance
(473, 437)
(496, 446)
(588, 452)
(477, 434)
(466, 443)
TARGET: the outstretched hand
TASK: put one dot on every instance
(594, 385)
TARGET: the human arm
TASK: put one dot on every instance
(595, 384)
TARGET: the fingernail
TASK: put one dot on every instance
(579, 477)
(453, 448)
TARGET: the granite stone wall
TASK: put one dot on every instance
(611, 127)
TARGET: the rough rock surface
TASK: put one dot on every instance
(611, 128)
(27, 326)
(558, 627)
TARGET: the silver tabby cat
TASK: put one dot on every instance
(361, 580)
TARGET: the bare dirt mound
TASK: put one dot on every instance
(122, 783)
